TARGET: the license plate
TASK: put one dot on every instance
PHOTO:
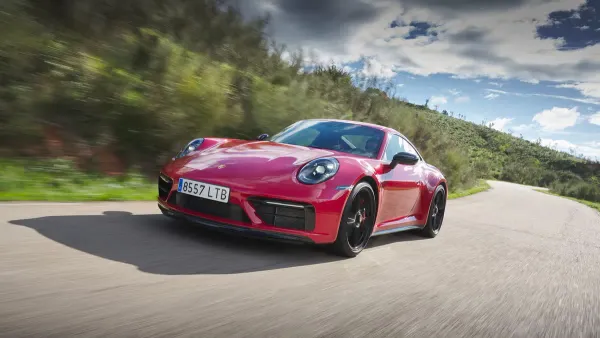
(204, 190)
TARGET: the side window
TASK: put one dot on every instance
(410, 149)
(394, 146)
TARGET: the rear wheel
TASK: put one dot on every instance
(357, 222)
(436, 213)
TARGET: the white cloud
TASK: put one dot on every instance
(560, 97)
(590, 89)
(500, 123)
(454, 92)
(374, 68)
(348, 69)
(466, 77)
(514, 42)
(438, 100)
(462, 99)
(588, 150)
(556, 119)
(498, 42)
(496, 84)
(595, 118)
(498, 91)
(491, 96)
(562, 145)
(523, 127)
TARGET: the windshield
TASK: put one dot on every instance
(333, 135)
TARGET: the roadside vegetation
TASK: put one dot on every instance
(593, 205)
(119, 87)
(481, 186)
(57, 180)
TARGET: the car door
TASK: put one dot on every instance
(400, 186)
(414, 174)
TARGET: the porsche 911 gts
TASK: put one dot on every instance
(318, 181)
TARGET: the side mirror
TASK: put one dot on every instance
(404, 158)
(262, 137)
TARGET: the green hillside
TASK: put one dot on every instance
(502, 156)
(132, 81)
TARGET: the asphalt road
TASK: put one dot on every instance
(509, 262)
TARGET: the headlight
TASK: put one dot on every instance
(319, 170)
(195, 144)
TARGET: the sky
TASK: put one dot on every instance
(530, 67)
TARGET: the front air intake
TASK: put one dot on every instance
(285, 214)
(164, 186)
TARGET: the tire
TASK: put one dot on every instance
(358, 219)
(437, 209)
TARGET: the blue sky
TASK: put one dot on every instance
(532, 67)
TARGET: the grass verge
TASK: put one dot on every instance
(58, 181)
(481, 186)
(593, 205)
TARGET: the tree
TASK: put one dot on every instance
(334, 73)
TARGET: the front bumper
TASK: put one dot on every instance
(299, 214)
(228, 228)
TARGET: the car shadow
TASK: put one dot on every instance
(156, 244)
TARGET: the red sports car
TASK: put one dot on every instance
(319, 181)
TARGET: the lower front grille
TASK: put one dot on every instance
(164, 186)
(283, 214)
(209, 207)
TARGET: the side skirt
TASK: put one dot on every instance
(401, 229)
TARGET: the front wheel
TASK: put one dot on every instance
(357, 222)
(436, 213)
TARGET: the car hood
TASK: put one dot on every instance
(243, 159)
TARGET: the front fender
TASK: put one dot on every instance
(433, 178)
(354, 170)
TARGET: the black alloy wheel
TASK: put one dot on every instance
(357, 222)
(436, 213)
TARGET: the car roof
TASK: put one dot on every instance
(372, 125)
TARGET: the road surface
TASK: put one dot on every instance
(509, 262)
